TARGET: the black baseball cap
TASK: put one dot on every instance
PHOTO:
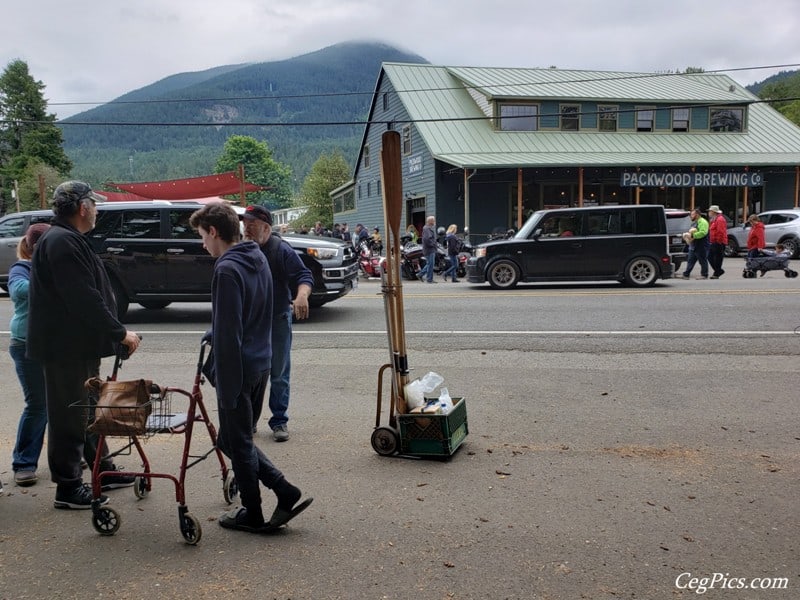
(256, 211)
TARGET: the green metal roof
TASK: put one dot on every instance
(436, 97)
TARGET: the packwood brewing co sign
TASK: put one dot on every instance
(683, 180)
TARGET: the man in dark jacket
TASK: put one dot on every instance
(292, 283)
(241, 332)
(72, 324)
(429, 248)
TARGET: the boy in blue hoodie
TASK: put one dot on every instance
(241, 332)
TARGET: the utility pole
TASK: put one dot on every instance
(130, 162)
(16, 193)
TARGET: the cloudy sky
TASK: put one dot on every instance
(92, 51)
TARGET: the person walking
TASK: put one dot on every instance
(288, 274)
(33, 420)
(718, 239)
(239, 364)
(698, 246)
(453, 245)
(429, 247)
(756, 240)
(72, 324)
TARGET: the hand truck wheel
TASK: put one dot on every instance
(190, 529)
(229, 488)
(384, 441)
(106, 520)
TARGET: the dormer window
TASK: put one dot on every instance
(680, 119)
(518, 116)
(727, 119)
(645, 119)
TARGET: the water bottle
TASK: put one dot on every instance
(445, 402)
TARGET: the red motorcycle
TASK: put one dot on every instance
(370, 260)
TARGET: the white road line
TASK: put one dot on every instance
(603, 333)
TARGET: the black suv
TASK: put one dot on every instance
(153, 257)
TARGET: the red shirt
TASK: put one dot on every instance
(755, 239)
(718, 231)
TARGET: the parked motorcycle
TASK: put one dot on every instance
(411, 260)
(370, 260)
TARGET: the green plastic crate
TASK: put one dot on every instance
(434, 435)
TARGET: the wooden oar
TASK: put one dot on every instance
(392, 182)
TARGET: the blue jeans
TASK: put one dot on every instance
(281, 368)
(698, 252)
(427, 270)
(451, 270)
(33, 421)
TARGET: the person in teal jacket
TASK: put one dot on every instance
(33, 421)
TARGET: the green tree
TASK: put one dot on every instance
(785, 94)
(28, 183)
(259, 168)
(28, 134)
(329, 172)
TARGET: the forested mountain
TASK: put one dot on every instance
(173, 128)
(755, 88)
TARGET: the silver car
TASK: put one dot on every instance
(780, 227)
(12, 228)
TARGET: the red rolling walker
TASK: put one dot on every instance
(161, 420)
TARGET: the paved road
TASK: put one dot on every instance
(605, 458)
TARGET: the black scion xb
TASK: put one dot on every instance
(626, 243)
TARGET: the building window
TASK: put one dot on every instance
(570, 115)
(369, 189)
(378, 187)
(519, 117)
(406, 139)
(645, 118)
(727, 119)
(385, 101)
(366, 156)
(608, 117)
(680, 119)
(345, 202)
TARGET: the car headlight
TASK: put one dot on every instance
(322, 253)
(480, 252)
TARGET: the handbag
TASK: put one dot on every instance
(122, 406)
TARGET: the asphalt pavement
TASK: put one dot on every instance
(599, 475)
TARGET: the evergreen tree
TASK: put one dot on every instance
(328, 173)
(259, 168)
(786, 94)
(28, 134)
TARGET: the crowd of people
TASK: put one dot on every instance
(64, 323)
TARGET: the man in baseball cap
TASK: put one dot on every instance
(718, 237)
(72, 192)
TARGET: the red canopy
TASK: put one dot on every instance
(221, 184)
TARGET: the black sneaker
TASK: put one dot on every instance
(79, 498)
(113, 482)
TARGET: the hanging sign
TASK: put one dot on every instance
(684, 180)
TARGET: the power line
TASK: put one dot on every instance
(433, 89)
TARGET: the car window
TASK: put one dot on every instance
(179, 225)
(560, 225)
(140, 224)
(12, 227)
(777, 219)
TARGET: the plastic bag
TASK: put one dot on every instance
(414, 392)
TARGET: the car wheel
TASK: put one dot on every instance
(641, 271)
(732, 248)
(792, 246)
(121, 298)
(155, 304)
(502, 275)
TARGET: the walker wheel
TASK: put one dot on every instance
(229, 488)
(384, 441)
(106, 520)
(140, 486)
(190, 529)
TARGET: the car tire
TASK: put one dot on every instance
(732, 248)
(792, 246)
(155, 304)
(121, 298)
(502, 275)
(642, 271)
